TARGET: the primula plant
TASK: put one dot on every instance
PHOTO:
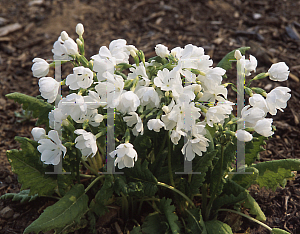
(175, 139)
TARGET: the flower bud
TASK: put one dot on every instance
(197, 88)
(79, 29)
(243, 135)
(166, 109)
(40, 67)
(64, 35)
(38, 133)
(162, 51)
(79, 42)
(237, 55)
(199, 95)
(132, 53)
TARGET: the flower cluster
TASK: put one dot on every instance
(177, 91)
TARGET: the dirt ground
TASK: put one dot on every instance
(269, 27)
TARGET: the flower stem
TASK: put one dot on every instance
(248, 217)
(90, 168)
(177, 191)
(94, 181)
(169, 162)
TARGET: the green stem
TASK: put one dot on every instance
(169, 162)
(124, 205)
(77, 165)
(94, 181)
(90, 168)
(204, 198)
(193, 217)
(87, 176)
(177, 191)
(248, 217)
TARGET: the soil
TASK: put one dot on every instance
(269, 27)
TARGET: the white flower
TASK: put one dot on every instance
(167, 80)
(73, 105)
(243, 135)
(197, 145)
(49, 88)
(138, 71)
(71, 46)
(176, 136)
(59, 50)
(92, 116)
(38, 133)
(63, 48)
(101, 66)
(250, 65)
(126, 155)
(82, 77)
(86, 142)
(263, 127)
(40, 67)
(259, 101)
(155, 124)
(51, 149)
(218, 113)
(117, 52)
(111, 90)
(252, 115)
(79, 29)
(162, 51)
(185, 115)
(134, 119)
(93, 100)
(279, 71)
(148, 96)
(56, 116)
(277, 99)
(129, 102)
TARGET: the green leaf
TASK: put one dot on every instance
(154, 224)
(136, 230)
(226, 62)
(103, 195)
(217, 227)
(39, 107)
(140, 172)
(195, 222)
(168, 209)
(253, 148)
(27, 165)
(254, 208)
(279, 231)
(274, 173)
(22, 196)
(246, 180)
(69, 208)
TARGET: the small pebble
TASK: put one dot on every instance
(16, 215)
(6, 213)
